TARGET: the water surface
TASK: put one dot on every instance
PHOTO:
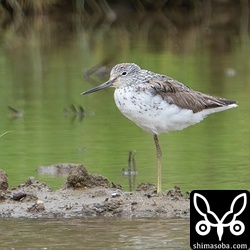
(94, 233)
(42, 83)
(42, 64)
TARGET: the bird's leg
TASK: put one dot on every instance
(159, 157)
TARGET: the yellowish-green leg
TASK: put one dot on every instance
(159, 159)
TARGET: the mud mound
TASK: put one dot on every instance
(87, 194)
(80, 178)
(3, 180)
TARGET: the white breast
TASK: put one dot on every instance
(155, 115)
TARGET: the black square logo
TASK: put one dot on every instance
(220, 219)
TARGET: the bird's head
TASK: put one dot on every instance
(121, 75)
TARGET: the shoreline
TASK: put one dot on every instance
(90, 195)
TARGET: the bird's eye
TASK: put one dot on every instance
(124, 73)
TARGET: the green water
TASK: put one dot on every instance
(43, 77)
(42, 63)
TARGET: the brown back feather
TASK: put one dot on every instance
(176, 93)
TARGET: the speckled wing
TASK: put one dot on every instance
(177, 93)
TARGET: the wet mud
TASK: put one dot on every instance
(86, 194)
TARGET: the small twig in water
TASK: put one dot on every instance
(6, 133)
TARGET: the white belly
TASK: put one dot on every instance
(155, 115)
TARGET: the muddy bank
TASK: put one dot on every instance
(87, 194)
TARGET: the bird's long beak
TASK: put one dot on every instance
(102, 86)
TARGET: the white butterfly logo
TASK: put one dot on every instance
(236, 227)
